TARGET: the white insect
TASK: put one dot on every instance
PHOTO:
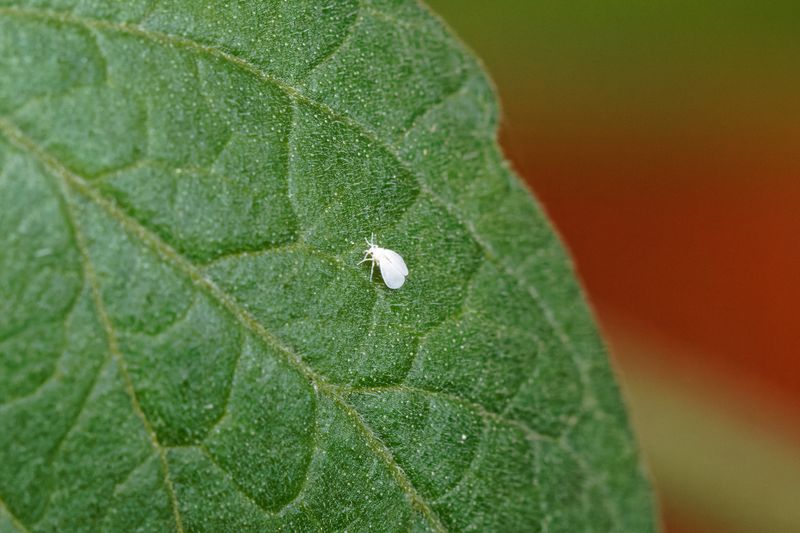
(393, 268)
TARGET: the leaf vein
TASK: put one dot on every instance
(236, 486)
(73, 424)
(348, 36)
(311, 457)
(475, 407)
(14, 518)
(17, 138)
(113, 347)
(121, 485)
(297, 94)
(245, 318)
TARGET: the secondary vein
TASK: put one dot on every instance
(78, 184)
(21, 141)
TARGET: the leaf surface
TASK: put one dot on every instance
(187, 340)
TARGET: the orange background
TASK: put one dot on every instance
(663, 138)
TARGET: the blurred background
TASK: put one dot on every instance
(663, 138)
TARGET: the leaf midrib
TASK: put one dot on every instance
(77, 183)
(294, 92)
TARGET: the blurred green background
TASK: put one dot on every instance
(663, 137)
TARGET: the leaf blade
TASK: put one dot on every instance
(386, 158)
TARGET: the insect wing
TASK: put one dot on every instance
(391, 275)
(395, 259)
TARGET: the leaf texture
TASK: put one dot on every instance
(187, 340)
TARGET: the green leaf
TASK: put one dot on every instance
(187, 339)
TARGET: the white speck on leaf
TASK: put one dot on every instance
(393, 267)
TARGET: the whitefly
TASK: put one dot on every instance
(393, 268)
